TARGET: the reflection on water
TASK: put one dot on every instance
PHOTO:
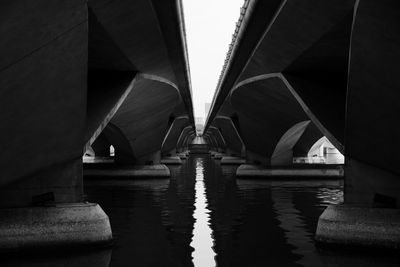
(295, 231)
(203, 254)
(204, 216)
(330, 196)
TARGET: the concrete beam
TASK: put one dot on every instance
(156, 44)
(218, 136)
(182, 140)
(172, 137)
(267, 110)
(143, 117)
(231, 135)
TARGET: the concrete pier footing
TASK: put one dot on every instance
(198, 149)
(144, 171)
(232, 160)
(218, 155)
(359, 226)
(212, 153)
(72, 224)
(247, 170)
(176, 160)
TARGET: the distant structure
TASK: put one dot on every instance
(207, 107)
(199, 122)
(323, 152)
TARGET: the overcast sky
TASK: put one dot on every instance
(209, 28)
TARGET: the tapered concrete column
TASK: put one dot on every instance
(43, 106)
(370, 215)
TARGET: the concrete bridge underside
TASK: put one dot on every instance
(300, 70)
(73, 72)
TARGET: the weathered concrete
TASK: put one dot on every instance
(73, 224)
(227, 160)
(133, 172)
(359, 226)
(257, 171)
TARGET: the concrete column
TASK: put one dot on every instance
(370, 215)
(43, 85)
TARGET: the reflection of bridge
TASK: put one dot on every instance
(79, 75)
(300, 70)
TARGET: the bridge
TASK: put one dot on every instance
(77, 76)
(300, 70)
(81, 77)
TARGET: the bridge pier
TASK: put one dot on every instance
(370, 215)
(50, 227)
(48, 210)
(44, 106)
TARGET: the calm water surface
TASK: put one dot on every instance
(204, 216)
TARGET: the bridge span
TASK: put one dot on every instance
(79, 76)
(297, 71)
(96, 87)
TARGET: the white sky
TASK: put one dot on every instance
(209, 28)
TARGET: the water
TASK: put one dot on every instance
(204, 216)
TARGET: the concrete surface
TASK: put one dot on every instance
(249, 171)
(227, 160)
(170, 142)
(219, 155)
(347, 225)
(63, 225)
(144, 171)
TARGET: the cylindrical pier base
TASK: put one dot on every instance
(347, 225)
(72, 224)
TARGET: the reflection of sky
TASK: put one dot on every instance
(203, 254)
